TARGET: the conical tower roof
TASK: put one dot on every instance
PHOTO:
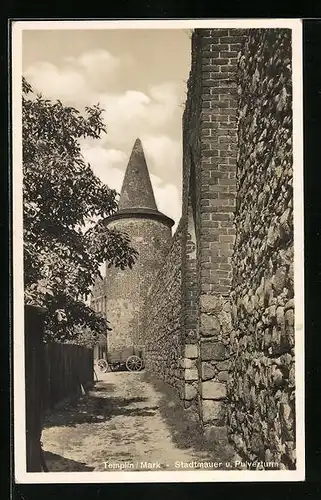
(137, 197)
(137, 190)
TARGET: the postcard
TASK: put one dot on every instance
(158, 286)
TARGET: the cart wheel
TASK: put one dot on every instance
(102, 365)
(134, 363)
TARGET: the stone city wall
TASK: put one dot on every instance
(161, 332)
(261, 388)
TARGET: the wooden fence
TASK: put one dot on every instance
(66, 368)
(53, 373)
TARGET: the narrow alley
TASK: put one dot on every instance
(129, 422)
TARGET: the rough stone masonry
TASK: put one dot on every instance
(261, 385)
(217, 321)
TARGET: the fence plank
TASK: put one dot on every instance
(34, 386)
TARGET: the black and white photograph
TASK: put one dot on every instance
(158, 251)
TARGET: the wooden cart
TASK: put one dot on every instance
(129, 358)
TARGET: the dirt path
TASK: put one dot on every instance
(126, 421)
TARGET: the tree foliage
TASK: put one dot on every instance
(65, 238)
(85, 337)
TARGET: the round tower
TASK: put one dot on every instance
(150, 234)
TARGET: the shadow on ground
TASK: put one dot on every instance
(104, 388)
(57, 463)
(184, 425)
(94, 408)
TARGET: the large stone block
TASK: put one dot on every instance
(289, 317)
(190, 391)
(213, 351)
(223, 376)
(280, 316)
(210, 325)
(207, 371)
(210, 303)
(289, 304)
(191, 374)
(213, 411)
(217, 434)
(187, 363)
(191, 351)
(223, 365)
(213, 390)
(225, 319)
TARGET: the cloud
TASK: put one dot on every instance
(56, 83)
(107, 164)
(168, 93)
(129, 113)
(134, 113)
(167, 198)
(98, 65)
(163, 151)
(96, 60)
(146, 113)
(125, 114)
(78, 79)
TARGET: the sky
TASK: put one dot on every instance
(139, 78)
